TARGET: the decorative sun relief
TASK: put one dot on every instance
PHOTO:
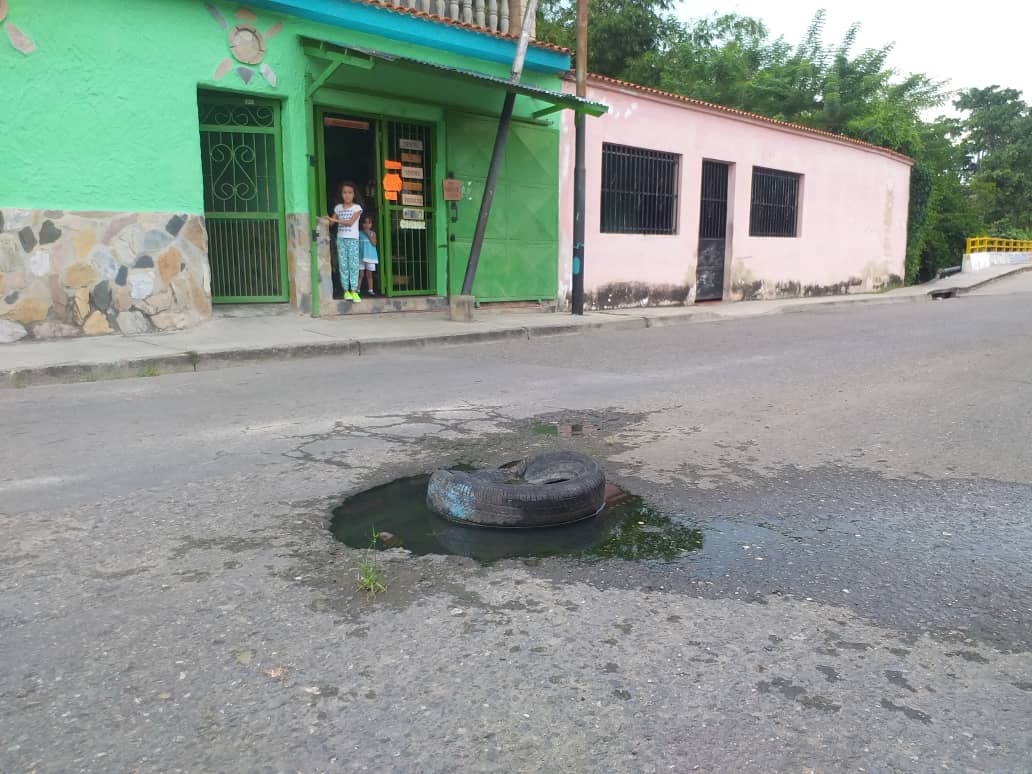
(18, 38)
(246, 44)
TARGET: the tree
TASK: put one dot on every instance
(997, 146)
(942, 214)
(621, 31)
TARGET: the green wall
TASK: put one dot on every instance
(102, 116)
(518, 258)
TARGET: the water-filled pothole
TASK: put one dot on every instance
(629, 529)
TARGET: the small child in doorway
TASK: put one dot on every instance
(346, 214)
(368, 256)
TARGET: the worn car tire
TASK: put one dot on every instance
(541, 491)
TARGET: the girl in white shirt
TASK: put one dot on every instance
(346, 215)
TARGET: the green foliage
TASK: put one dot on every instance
(997, 144)
(370, 574)
(645, 533)
(921, 184)
(622, 31)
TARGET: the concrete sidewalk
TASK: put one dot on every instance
(228, 341)
(966, 282)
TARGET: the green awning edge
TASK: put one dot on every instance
(365, 57)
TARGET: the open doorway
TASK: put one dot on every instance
(350, 155)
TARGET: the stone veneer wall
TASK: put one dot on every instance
(325, 262)
(90, 273)
(299, 262)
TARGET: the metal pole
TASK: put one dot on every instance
(577, 287)
(499, 150)
(489, 190)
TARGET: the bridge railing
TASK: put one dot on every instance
(998, 245)
(983, 252)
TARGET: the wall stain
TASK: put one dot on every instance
(622, 294)
(745, 286)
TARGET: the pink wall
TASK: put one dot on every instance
(853, 218)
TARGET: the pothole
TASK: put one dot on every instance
(397, 515)
(565, 429)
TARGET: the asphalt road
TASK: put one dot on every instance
(171, 599)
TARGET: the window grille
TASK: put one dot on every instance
(775, 197)
(639, 190)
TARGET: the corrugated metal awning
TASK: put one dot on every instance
(366, 58)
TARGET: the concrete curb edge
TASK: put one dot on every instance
(183, 362)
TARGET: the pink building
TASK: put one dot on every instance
(689, 201)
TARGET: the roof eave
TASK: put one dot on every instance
(745, 116)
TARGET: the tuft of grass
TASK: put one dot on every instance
(370, 574)
(151, 370)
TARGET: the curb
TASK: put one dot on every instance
(68, 373)
(681, 319)
(875, 301)
(185, 362)
(441, 340)
(960, 291)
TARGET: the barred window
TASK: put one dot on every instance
(639, 190)
(775, 196)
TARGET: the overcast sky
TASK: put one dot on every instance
(968, 44)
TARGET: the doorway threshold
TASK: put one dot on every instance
(251, 310)
(382, 305)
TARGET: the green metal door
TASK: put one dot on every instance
(519, 260)
(409, 248)
(243, 198)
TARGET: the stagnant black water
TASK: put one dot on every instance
(397, 513)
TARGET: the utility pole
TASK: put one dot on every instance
(499, 150)
(577, 291)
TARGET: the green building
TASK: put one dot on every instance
(162, 156)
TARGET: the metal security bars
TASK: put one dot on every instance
(243, 199)
(410, 239)
(713, 210)
(639, 190)
(775, 196)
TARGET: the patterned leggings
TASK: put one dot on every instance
(347, 261)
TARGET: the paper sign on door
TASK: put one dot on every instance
(451, 189)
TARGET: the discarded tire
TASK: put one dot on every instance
(545, 490)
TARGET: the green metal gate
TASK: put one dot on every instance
(521, 245)
(408, 222)
(243, 198)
